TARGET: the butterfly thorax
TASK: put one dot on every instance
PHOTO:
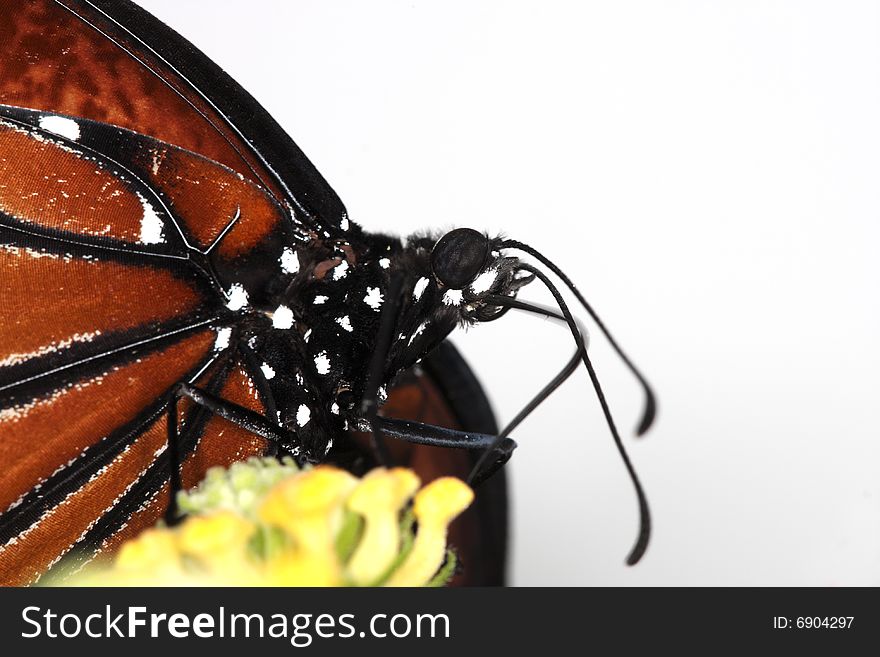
(317, 343)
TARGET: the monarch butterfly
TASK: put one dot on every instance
(182, 289)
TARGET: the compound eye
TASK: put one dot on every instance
(459, 256)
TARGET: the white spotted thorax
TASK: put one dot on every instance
(334, 300)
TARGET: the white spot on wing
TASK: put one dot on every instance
(61, 126)
(282, 318)
(374, 298)
(289, 261)
(345, 322)
(452, 297)
(303, 415)
(322, 363)
(384, 263)
(419, 289)
(334, 408)
(157, 161)
(16, 358)
(268, 372)
(222, 340)
(319, 299)
(151, 224)
(238, 297)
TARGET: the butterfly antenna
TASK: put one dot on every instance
(641, 543)
(650, 409)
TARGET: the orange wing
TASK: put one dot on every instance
(104, 307)
(110, 61)
(104, 302)
(113, 290)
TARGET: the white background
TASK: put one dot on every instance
(707, 172)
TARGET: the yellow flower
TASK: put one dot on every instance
(309, 509)
(262, 523)
(153, 550)
(151, 557)
(215, 543)
(436, 505)
(379, 498)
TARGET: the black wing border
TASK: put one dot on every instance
(305, 188)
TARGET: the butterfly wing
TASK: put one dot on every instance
(113, 62)
(105, 307)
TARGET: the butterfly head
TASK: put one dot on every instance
(469, 266)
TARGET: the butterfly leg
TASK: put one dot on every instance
(264, 390)
(239, 415)
(497, 448)
(429, 434)
(369, 402)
